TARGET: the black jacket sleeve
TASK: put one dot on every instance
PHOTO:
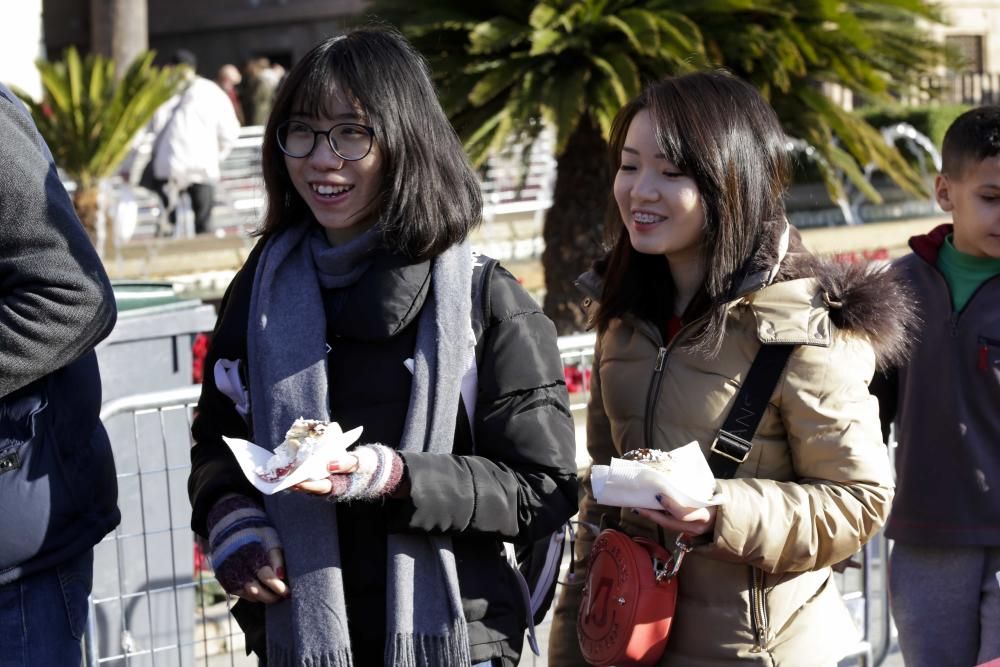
(214, 470)
(56, 300)
(521, 483)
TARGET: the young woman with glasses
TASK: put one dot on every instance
(355, 307)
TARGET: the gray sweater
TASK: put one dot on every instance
(55, 298)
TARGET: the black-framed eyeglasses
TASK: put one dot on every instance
(350, 141)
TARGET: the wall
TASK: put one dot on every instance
(21, 44)
(217, 31)
(974, 17)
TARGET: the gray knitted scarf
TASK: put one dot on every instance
(287, 364)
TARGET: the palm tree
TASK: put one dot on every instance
(89, 120)
(119, 29)
(791, 49)
(505, 67)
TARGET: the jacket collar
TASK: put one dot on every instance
(787, 312)
(765, 277)
(384, 300)
(591, 284)
(927, 246)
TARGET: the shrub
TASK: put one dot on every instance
(932, 121)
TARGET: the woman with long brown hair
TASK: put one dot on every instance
(704, 272)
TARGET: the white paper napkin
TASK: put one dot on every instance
(250, 456)
(635, 484)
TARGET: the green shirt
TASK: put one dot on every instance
(964, 273)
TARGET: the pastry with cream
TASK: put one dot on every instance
(302, 439)
(685, 466)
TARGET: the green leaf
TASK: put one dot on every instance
(627, 71)
(849, 167)
(546, 41)
(624, 28)
(565, 104)
(645, 27)
(543, 16)
(612, 80)
(496, 82)
(498, 34)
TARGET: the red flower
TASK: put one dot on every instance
(198, 351)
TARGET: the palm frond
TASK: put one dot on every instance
(87, 118)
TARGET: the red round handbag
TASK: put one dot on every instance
(629, 598)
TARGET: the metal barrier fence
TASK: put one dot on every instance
(153, 602)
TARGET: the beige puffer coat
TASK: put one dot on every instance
(814, 489)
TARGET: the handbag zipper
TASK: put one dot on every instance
(758, 609)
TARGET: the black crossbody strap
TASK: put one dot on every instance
(734, 442)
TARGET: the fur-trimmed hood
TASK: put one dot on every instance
(864, 299)
(868, 300)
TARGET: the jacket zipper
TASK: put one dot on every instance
(758, 609)
(656, 381)
(652, 394)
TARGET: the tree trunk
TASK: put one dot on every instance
(85, 204)
(574, 225)
(119, 29)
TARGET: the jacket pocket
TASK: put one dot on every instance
(30, 478)
(51, 469)
(76, 579)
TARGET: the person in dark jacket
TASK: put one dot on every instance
(945, 565)
(58, 493)
(355, 307)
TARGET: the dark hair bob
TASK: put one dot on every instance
(429, 197)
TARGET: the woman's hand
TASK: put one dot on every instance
(269, 585)
(368, 472)
(344, 464)
(245, 550)
(676, 517)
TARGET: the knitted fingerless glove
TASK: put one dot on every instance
(380, 470)
(239, 537)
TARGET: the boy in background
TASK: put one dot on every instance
(944, 575)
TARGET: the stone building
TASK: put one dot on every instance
(217, 31)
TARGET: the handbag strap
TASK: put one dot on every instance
(173, 114)
(734, 442)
